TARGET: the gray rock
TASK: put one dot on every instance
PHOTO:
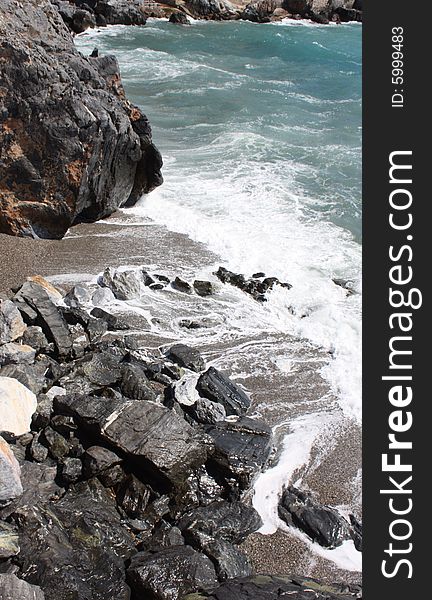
(9, 541)
(12, 588)
(71, 470)
(77, 296)
(13, 353)
(179, 18)
(114, 323)
(125, 285)
(12, 325)
(10, 474)
(170, 573)
(207, 412)
(38, 451)
(97, 459)
(102, 297)
(181, 286)
(134, 384)
(30, 376)
(35, 337)
(56, 443)
(217, 387)
(242, 448)
(203, 288)
(103, 369)
(228, 560)
(186, 357)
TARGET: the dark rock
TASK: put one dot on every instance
(102, 369)
(12, 325)
(35, 337)
(229, 521)
(37, 451)
(242, 448)
(186, 357)
(228, 560)
(51, 320)
(97, 459)
(31, 376)
(217, 387)
(321, 523)
(203, 288)
(133, 496)
(96, 329)
(357, 533)
(134, 384)
(318, 18)
(270, 587)
(122, 12)
(181, 286)
(13, 588)
(9, 542)
(73, 148)
(71, 470)
(349, 14)
(42, 416)
(76, 544)
(114, 323)
(300, 7)
(149, 432)
(259, 12)
(64, 425)
(112, 477)
(253, 286)
(56, 443)
(179, 18)
(170, 573)
(258, 275)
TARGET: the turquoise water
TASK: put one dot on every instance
(260, 130)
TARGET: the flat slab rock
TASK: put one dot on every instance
(217, 387)
(262, 587)
(168, 446)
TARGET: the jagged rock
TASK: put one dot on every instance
(51, 320)
(73, 148)
(134, 383)
(13, 588)
(125, 285)
(10, 474)
(242, 448)
(269, 587)
(133, 496)
(114, 323)
(42, 415)
(203, 288)
(77, 296)
(71, 470)
(349, 14)
(96, 329)
(12, 325)
(56, 443)
(181, 286)
(229, 521)
(211, 9)
(17, 404)
(158, 437)
(38, 451)
(103, 297)
(78, 20)
(76, 544)
(321, 523)
(255, 287)
(97, 459)
(102, 369)
(13, 353)
(228, 560)
(30, 376)
(122, 12)
(186, 357)
(259, 12)
(9, 542)
(297, 7)
(217, 387)
(357, 533)
(170, 573)
(179, 18)
(35, 337)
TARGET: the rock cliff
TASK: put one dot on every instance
(73, 148)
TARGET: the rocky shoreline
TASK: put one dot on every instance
(127, 472)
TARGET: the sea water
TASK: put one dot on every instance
(260, 130)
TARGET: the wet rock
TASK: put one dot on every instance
(125, 285)
(242, 448)
(77, 296)
(227, 559)
(13, 588)
(356, 533)
(170, 573)
(321, 523)
(255, 287)
(207, 412)
(51, 320)
(10, 474)
(35, 337)
(217, 387)
(229, 521)
(76, 544)
(12, 325)
(134, 384)
(179, 18)
(102, 297)
(269, 587)
(13, 353)
(97, 459)
(158, 437)
(114, 323)
(349, 14)
(203, 288)
(133, 496)
(9, 541)
(181, 286)
(186, 357)
(17, 404)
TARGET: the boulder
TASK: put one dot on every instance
(322, 524)
(12, 588)
(77, 296)
(297, 7)
(17, 405)
(103, 369)
(10, 474)
(30, 376)
(217, 387)
(181, 286)
(229, 521)
(148, 432)
(122, 12)
(179, 18)
(13, 353)
(102, 297)
(186, 357)
(35, 337)
(170, 573)
(114, 323)
(48, 315)
(269, 587)
(242, 448)
(227, 559)
(207, 412)
(12, 325)
(134, 383)
(133, 496)
(125, 285)
(73, 148)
